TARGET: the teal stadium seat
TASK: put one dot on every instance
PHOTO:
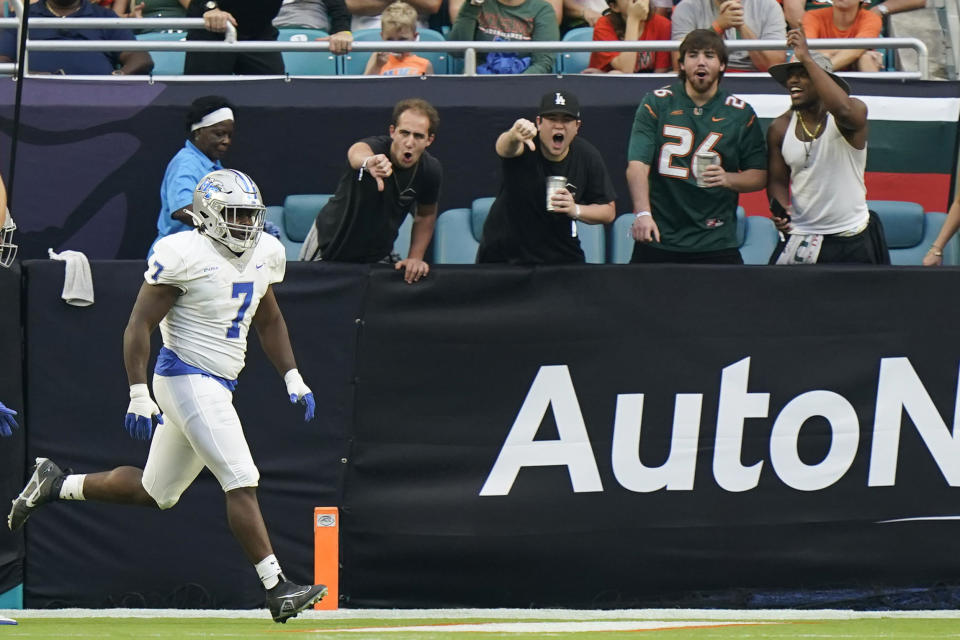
(307, 63)
(166, 63)
(299, 212)
(355, 62)
(757, 237)
(575, 61)
(458, 232)
(910, 232)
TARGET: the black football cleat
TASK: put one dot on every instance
(43, 487)
(287, 599)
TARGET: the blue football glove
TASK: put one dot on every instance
(7, 423)
(139, 419)
(271, 228)
(300, 392)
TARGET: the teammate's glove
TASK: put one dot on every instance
(271, 228)
(300, 392)
(139, 420)
(7, 423)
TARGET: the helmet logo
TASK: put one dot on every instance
(209, 186)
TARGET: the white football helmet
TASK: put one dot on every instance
(8, 250)
(223, 203)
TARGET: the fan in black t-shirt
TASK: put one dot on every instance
(520, 229)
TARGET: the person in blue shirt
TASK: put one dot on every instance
(76, 62)
(210, 127)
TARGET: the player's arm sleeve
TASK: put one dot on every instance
(753, 145)
(643, 136)
(166, 266)
(544, 29)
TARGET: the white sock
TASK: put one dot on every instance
(72, 488)
(269, 571)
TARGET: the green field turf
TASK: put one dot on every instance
(358, 628)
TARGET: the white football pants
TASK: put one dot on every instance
(200, 429)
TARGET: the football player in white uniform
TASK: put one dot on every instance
(204, 289)
(8, 251)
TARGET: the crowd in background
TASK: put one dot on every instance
(481, 20)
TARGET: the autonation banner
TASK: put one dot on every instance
(619, 436)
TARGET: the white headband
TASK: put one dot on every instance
(212, 118)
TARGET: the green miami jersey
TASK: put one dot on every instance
(668, 131)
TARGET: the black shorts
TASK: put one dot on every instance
(867, 247)
(263, 63)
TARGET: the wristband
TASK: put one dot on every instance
(935, 250)
(641, 214)
(291, 377)
(716, 27)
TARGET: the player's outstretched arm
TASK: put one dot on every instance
(153, 302)
(272, 330)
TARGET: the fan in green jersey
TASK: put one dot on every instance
(675, 219)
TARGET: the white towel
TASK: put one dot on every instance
(77, 281)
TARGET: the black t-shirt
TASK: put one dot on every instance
(519, 228)
(359, 223)
(253, 18)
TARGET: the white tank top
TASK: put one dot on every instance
(827, 188)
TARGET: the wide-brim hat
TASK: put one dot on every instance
(782, 71)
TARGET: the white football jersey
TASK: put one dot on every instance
(208, 325)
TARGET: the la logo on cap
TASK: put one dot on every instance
(559, 99)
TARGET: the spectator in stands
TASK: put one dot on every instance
(331, 16)
(509, 20)
(581, 13)
(366, 13)
(8, 251)
(934, 256)
(882, 8)
(521, 227)
(846, 19)
(386, 178)
(210, 126)
(252, 20)
(123, 8)
(630, 21)
(76, 62)
(817, 156)
(686, 212)
(453, 7)
(161, 8)
(735, 20)
(398, 23)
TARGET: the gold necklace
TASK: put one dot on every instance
(807, 131)
(808, 145)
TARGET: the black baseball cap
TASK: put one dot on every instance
(560, 103)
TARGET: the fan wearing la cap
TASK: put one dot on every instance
(817, 154)
(519, 228)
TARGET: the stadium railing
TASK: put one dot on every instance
(468, 49)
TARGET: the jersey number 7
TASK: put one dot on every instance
(240, 290)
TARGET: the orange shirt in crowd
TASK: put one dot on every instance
(656, 28)
(818, 23)
(409, 65)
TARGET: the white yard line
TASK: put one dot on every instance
(493, 614)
